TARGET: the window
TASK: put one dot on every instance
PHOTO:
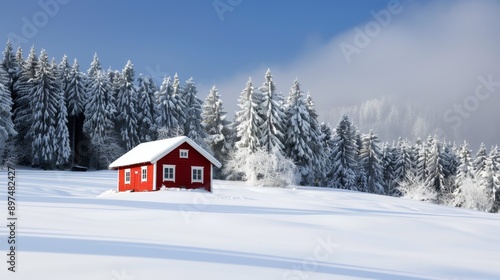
(183, 153)
(169, 173)
(144, 174)
(127, 176)
(197, 174)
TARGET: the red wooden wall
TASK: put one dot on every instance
(183, 169)
(136, 183)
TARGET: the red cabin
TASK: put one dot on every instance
(175, 162)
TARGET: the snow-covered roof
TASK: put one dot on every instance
(155, 150)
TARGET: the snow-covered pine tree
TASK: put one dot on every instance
(95, 67)
(297, 134)
(450, 163)
(402, 160)
(344, 169)
(192, 127)
(6, 124)
(435, 177)
(216, 128)
(388, 162)
(423, 158)
(76, 99)
(489, 180)
(326, 136)
(480, 160)
(62, 144)
(181, 109)
(147, 109)
(465, 169)
(248, 119)
(370, 157)
(44, 97)
(75, 90)
(98, 125)
(272, 115)
(326, 139)
(62, 75)
(170, 111)
(127, 108)
(7, 131)
(494, 157)
(319, 151)
(23, 112)
(10, 67)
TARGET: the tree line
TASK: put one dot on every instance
(52, 115)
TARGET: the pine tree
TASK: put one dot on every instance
(23, 112)
(326, 140)
(298, 133)
(10, 67)
(147, 109)
(423, 150)
(170, 111)
(389, 167)
(248, 120)
(95, 67)
(370, 159)
(403, 159)
(449, 163)
(344, 170)
(435, 176)
(75, 90)
(316, 144)
(480, 161)
(216, 128)
(494, 157)
(192, 127)
(99, 122)
(44, 101)
(127, 107)
(465, 169)
(272, 115)
(62, 145)
(62, 74)
(99, 109)
(181, 109)
(6, 124)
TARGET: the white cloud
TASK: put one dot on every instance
(430, 55)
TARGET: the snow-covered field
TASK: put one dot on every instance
(72, 227)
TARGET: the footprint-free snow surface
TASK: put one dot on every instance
(71, 225)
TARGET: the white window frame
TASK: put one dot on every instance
(196, 168)
(183, 153)
(127, 171)
(144, 171)
(173, 173)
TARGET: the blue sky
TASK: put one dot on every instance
(190, 37)
(433, 54)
